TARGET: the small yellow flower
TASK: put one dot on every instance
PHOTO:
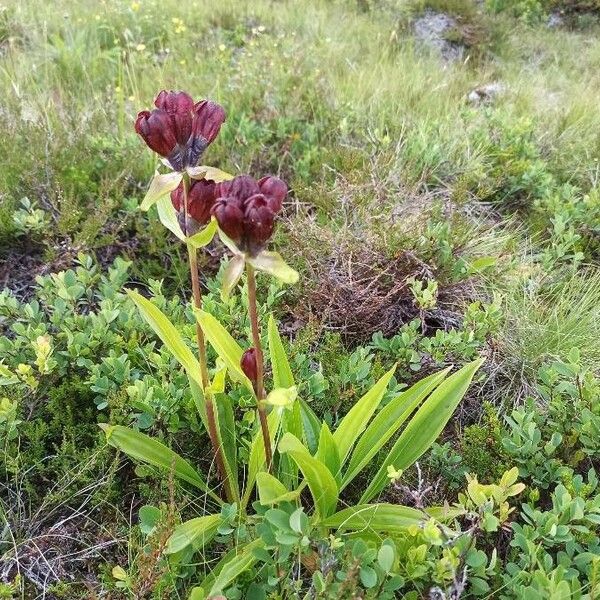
(140, 47)
(135, 6)
(222, 47)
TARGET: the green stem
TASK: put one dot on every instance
(211, 419)
(260, 388)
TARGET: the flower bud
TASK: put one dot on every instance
(248, 364)
(155, 129)
(178, 129)
(201, 197)
(230, 218)
(275, 190)
(259, 223)
(179, 107)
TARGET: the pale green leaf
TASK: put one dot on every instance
(225, 346)
(160, 186)
(282, 397)
(328, 452)
(425, 426)
(206, 172)
(168, 334)
(234, 567)
(354, 423)
(273, 264)
(204, 236)
(271, 490)
(231, 275)
(195, 532)
(257, 459)
(142, 447)
(387, 422)
(168, 216)
(282, 372)
(321, 483)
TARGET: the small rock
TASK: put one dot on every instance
(485, 94)
(431, 29)
(555, 20)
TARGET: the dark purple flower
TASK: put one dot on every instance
(201, 197)
(178, 129)
(248, 364)
(246, 209)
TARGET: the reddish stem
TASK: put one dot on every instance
(260, 388)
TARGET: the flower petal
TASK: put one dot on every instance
(160, 186)
(272, 263)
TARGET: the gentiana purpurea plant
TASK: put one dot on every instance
(292, 449)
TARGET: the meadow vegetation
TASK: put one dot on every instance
(443, 213)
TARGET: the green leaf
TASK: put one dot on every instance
(160, 186)
(196, 532)
(257, 459)
(272, 491)
(425, 426)
(328, 452)
(391, 518)
(387, 422)
(311, 425)
(142, 447)
(206, 172)
(231, 275)
(168, 334)
(273, 264)
(227, 440)
(233, 567)
(168, 216)
(225, 346)
(281, 397)
(205, 236)
(354, 423)
(386, 556)
(282, 372)
(320, 481)
(368, 577)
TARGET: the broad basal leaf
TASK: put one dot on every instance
(196, 532)
(142, 447)
(425, 426)
(168, 334)
(321, 482)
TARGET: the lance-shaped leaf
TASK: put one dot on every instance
(354, 423)
(425, 426)
(233, 564)
(231, 275)
(282, 372)
(168, 216)
(206, 172)
(225, 346)
(272, 491)
(389, 419)
(142, 447)
(321, 483)
(328, 452)
(195, 532)
(168, 334)
(389, 518)
(257, 459)
(160, 186)
(204, 236)
(273, 264)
